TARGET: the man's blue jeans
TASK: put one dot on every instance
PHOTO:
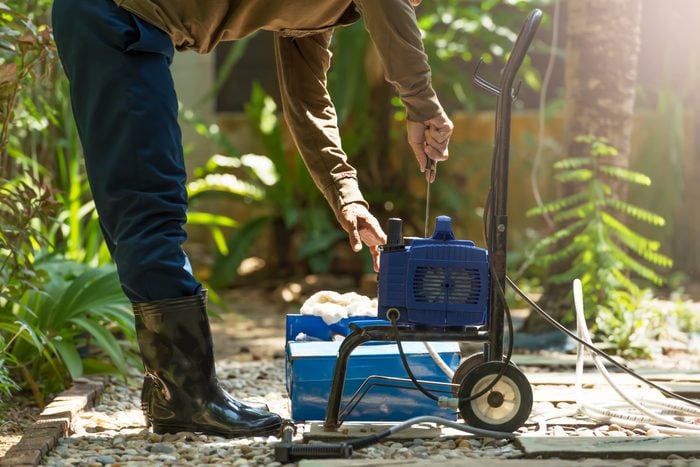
(126, 111)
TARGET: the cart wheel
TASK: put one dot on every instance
(505, 407)
(465, 366)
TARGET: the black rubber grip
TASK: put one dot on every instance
(290, 452)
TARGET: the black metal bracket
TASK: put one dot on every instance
(384, 333)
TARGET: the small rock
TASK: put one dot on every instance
(162, 448)
(464, 443)
(653, 432)
(105, 460)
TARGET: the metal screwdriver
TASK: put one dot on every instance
(430, 168)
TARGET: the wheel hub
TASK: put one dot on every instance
(495, 399)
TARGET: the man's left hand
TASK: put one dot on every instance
(362, 227)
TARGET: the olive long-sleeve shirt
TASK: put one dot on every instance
(303, 31)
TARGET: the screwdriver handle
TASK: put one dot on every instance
(430, 169)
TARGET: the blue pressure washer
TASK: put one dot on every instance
(444, 289)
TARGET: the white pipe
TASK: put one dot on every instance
(625, 419)
(439, 361)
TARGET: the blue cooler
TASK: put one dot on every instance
(310, 364)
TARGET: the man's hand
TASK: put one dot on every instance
(362, 227)
(429, 140)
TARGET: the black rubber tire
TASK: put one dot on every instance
(487, 412)
(465, 366)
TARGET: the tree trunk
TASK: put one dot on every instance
(602, 52)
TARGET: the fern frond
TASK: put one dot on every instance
(573, 163)
(657, 259)
(627, 236)
(626, 283)
(558, 204)
(559, 235)
(578, 270)
(636, 212)
(625, 174)
(567, 252)
(577, 175)
(582, 211)
(638, 268)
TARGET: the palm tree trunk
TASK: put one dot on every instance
(602, 52)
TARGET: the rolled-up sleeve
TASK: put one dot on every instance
(302, 65)
(394, 31)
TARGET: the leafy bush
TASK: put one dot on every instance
(7, 384)
(277, 183)
(79, 316)
(54, 302)
(594, 244)
(26, 56)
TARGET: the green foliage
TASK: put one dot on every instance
(76, 322)
(629, 323)
(462, 31)
(277, 184)
(26, 53)
(54, 302)
(7, 384)
(592, 241)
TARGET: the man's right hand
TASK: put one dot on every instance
(430, 140)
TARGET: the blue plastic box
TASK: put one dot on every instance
(310, 366)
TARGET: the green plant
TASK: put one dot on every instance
(26, 53)
(462, 31)
(277, 184)
(592, 240)
(7, 384)
(24, 204)
(54, 303)
(630, 322)
(79, 316)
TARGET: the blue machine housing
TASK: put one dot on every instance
(436, 282)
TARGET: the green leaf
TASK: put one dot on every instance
(567, 252)
(636, 212)
(71, 358)
(220, 241)
(559, 235)
(638, 268)
(104, 339)
(224, 183)
(582, 211)
(626, 175)
(90, 290)
(577, 175)
(224, 269)
(573, 163)
(558, 204)
(210, 220)
(630, 238)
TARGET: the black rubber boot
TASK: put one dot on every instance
(181, 391)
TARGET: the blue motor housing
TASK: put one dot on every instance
(436, 282)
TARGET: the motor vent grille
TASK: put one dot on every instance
(455, 286)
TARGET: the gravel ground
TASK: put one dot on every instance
(114, 432)
(250, 364)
